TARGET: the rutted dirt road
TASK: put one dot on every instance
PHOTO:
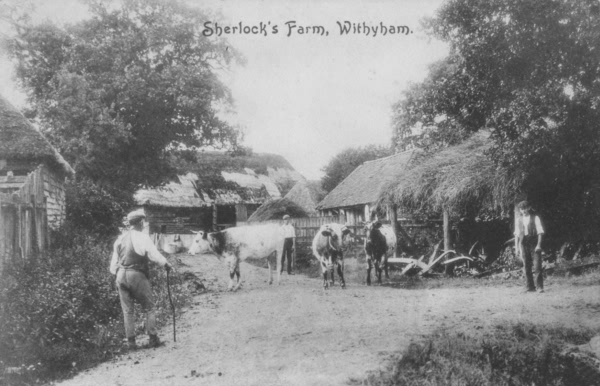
(298, 334)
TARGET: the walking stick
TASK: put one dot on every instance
(172, 307)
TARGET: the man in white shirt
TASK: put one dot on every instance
(289, 244)
(529, 234)
(132, 253)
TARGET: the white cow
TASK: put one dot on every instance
(379, 243)
(256, 242)
(327, 247)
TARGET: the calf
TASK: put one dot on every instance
(379, 243)
(258, 243)
(327, 248)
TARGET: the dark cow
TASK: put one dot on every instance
(380, 242)
(258, 243)
(327, 248)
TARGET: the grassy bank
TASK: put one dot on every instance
(516, 355)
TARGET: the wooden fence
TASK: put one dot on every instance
(23, 221)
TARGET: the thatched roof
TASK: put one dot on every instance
(460, 178)
(222, 179)
(307, 194)
(276, 209)
(366, 183)
(19, 139)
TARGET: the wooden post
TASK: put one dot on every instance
(214, 222)
(447, 237)
(394, 219)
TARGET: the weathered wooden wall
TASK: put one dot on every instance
(23, 220)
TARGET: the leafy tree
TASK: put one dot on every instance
(121, 90)
(530, 73)
(347, 160)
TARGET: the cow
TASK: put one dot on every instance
(254, 243)
(327, 248)
(379, 243)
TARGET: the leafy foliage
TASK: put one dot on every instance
(62, 313)
(347, 160)
(529, 73)
(120, 91)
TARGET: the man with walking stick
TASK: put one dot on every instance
(131, 256)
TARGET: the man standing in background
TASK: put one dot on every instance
(529, 234)
(289, 244)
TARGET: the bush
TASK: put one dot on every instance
(515, 355)
(62, 313)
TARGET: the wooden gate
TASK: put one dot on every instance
(23, 221)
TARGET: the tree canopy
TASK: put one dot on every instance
(121, 90)
(529, 72)
(342, 164)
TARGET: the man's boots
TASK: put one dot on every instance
(154, 341)
(131, 345)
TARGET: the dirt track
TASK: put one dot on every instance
(298, 334)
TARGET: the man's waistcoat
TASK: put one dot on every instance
(129, 258)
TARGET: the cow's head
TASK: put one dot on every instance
(347, 235)
(371, 227)
(216, 241)
(200, 244)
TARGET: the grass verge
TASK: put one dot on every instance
(516, 355)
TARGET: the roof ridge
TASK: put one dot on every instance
(389, 156)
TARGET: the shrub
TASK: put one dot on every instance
(516, 355)
(61, 313)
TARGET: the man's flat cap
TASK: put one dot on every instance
(136, 215)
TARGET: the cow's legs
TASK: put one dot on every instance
(340, 271)
(279, 252)
(385, 266)
(233, 263)
(330, 268)
(270, 271)
(369, 267)
(378, 269)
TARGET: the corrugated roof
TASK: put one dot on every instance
(365, 184)
(19, 139)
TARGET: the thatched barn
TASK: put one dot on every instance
(307, 194)
(32, 193)
(276, 209)
(357, 195)
(213, 192)
(460, 181)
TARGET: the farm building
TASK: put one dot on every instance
(32, 193)
(215, 191)
(307, 194)
(357, 195)
(276, 209)
(459, 182)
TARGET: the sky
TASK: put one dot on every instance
(307, 96)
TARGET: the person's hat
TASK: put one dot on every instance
(286, 217)
(136, 215)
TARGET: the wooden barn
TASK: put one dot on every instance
(356, 196)
(32, 194)
(214, 192)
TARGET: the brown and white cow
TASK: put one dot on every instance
(327, 247)
(254, 243)
(379, 243)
